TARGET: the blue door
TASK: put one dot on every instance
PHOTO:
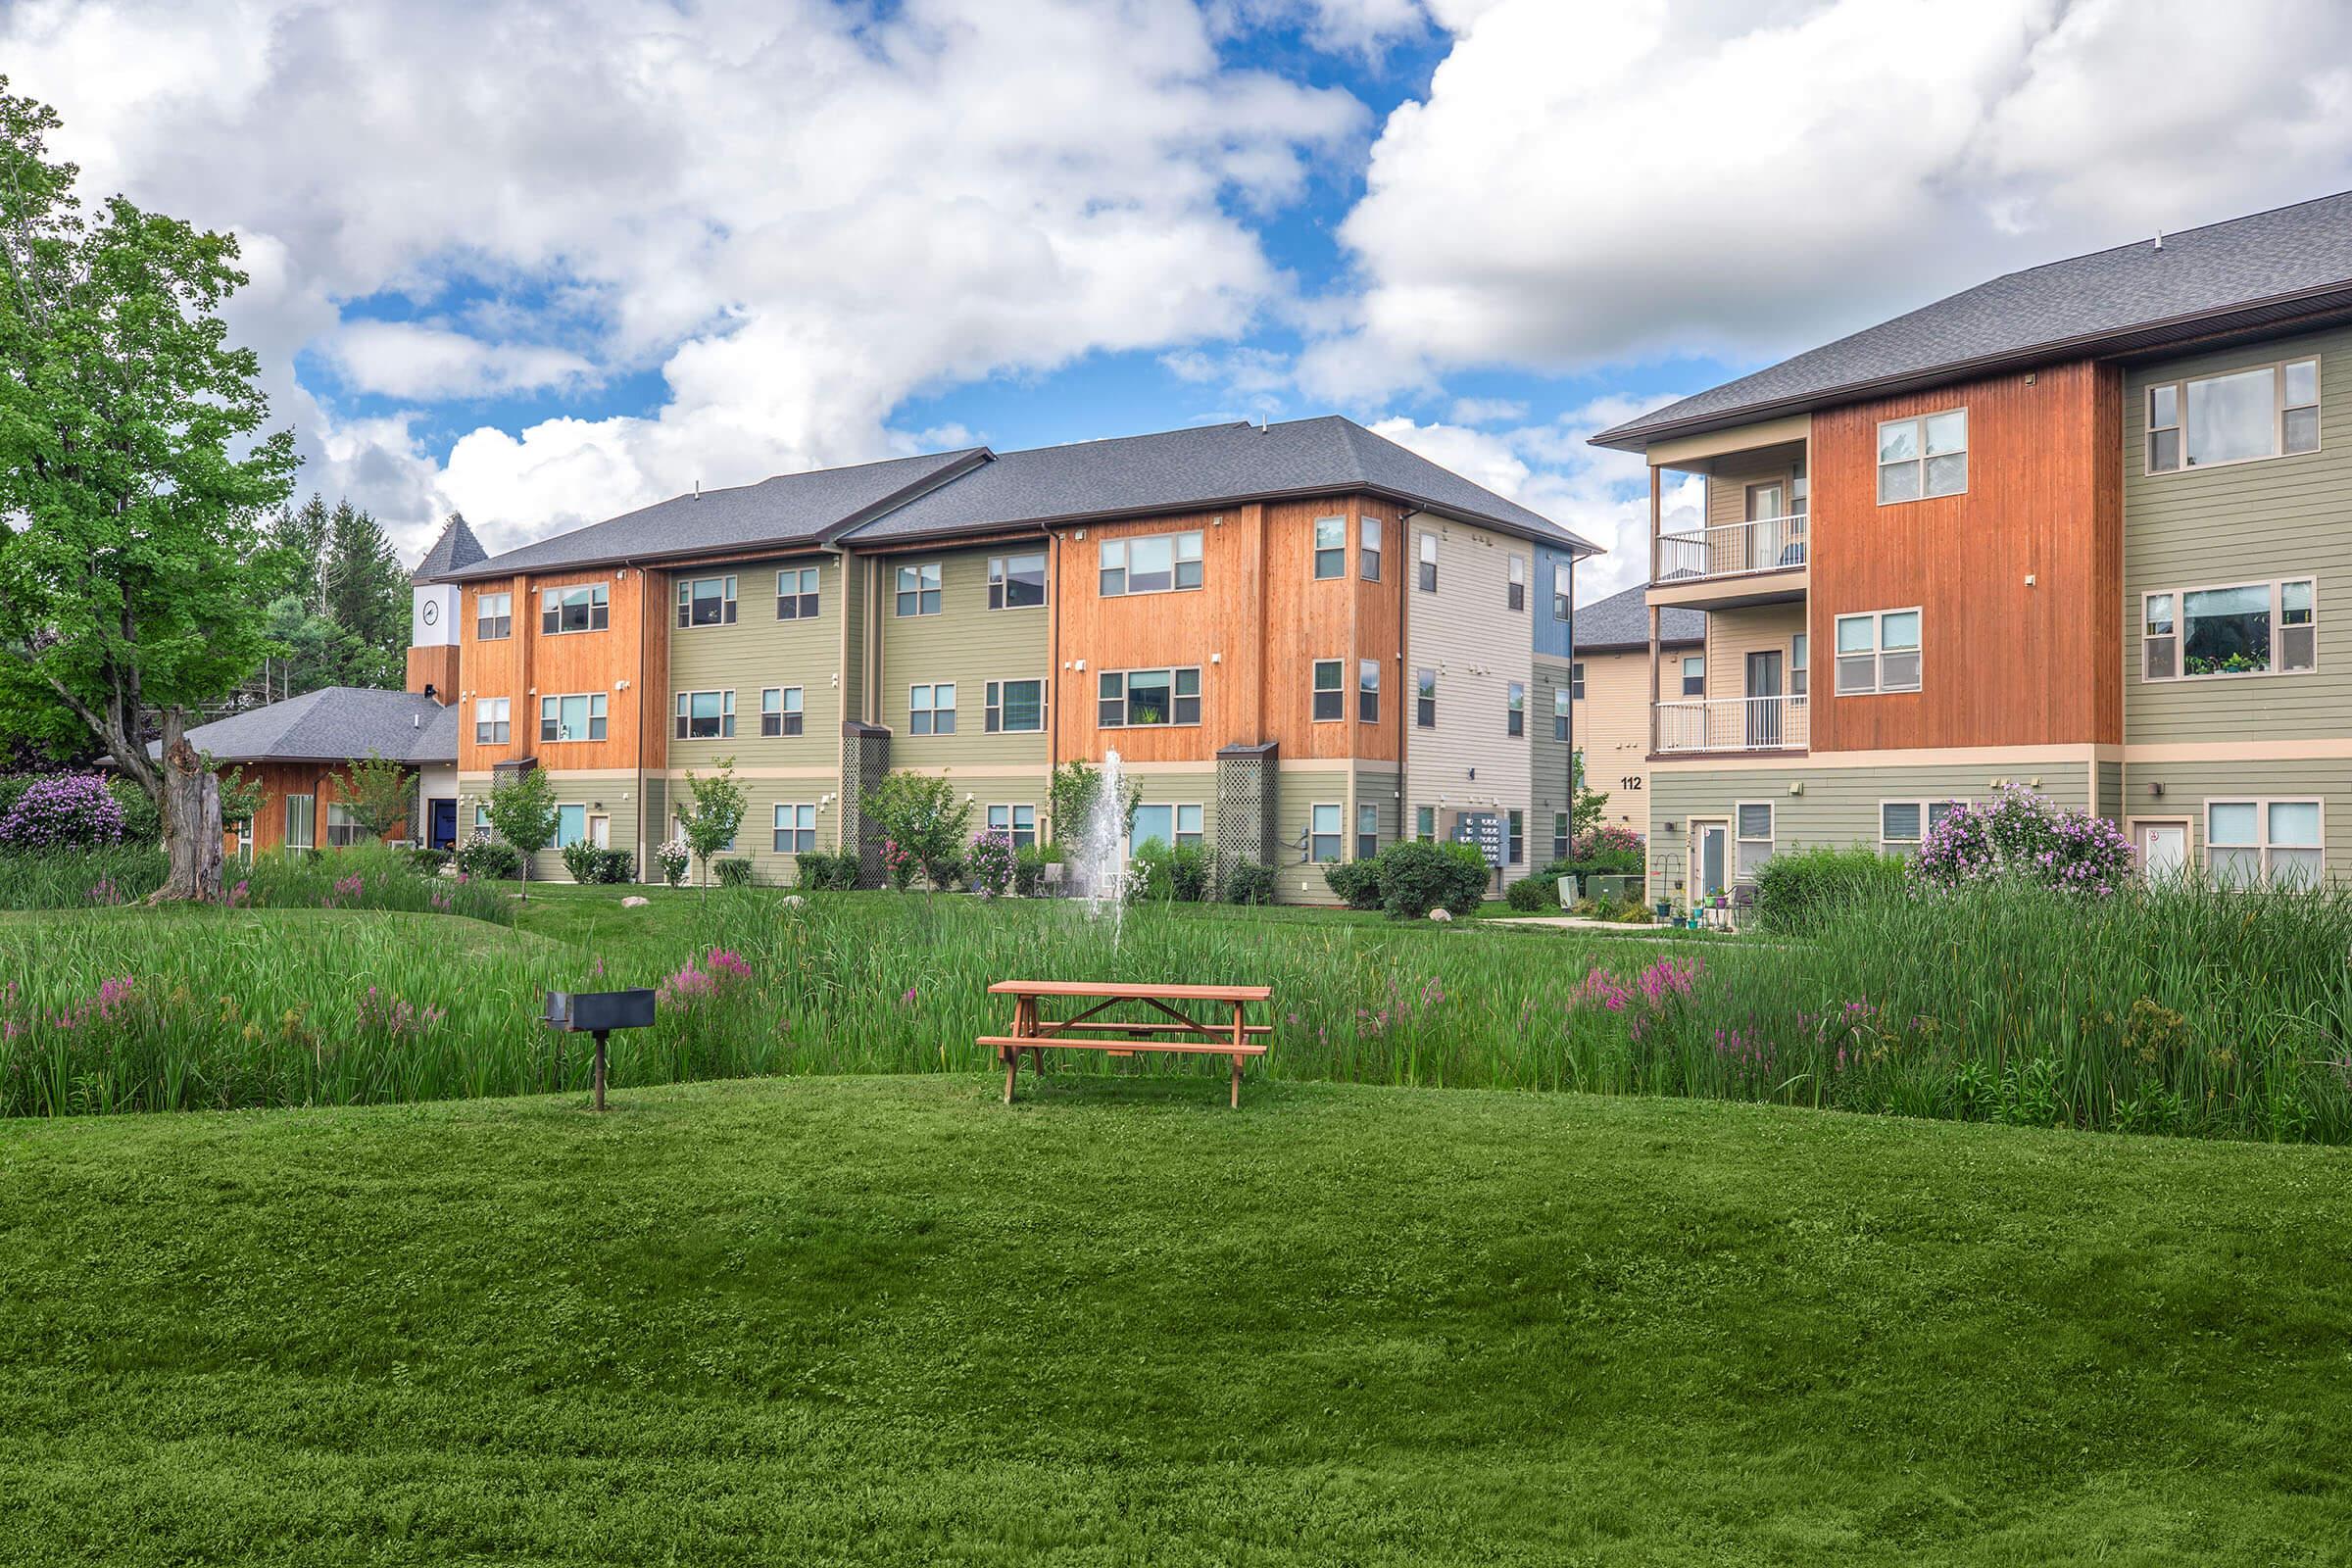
(445, 826)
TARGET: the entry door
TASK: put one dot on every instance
(1764, 698)
(600, 832)
(1767, 504)
(443, 833)
(2163, 850)
(1710, 857)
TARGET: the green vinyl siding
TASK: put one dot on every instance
(855, 573)
(2258, 522)
(603, 794)
(969, 645)
(2188, 786)
(754, 841)
(1549, 757)
(757, 652)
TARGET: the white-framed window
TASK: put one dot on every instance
(1923, 458)
(1367, 830)
(797, 593)
(1563, 591)
(1425, 699)
(574, 717)
(2243, 416)
(1425, 823)
(1016, 823)
(795, 829)
(585, 606)
(1694, 674)
(782, 711)
(705, 715)
(1514, 826)
(1429, 563)
(918, 592)
(1153, 563)
(1800, 672)
(1559, 835)
(1136, 698)
(1330, 695)
(2255, 628)
(481, 817)
(493, 617)
(705, 602)
(302, 818)
(1367, 691)
(1754, 821)
(1514, 593)
(1903, 824)
(931, 710)
(1877, 651)
(1331, 548)
(1176, 826)
(571, 825)
(1014, 707)
(1323, 834)
(1016, 582)
(2280, 843)
(677, 835)
(1514, 707)
(342, 827)
(1368, 551)
(491, 720)
(1564, 701)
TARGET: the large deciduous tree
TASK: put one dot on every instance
(132, 471)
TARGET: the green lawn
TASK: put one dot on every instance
(889, 1320)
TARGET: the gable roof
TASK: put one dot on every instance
(2243, 273)
(334, 725)
(1203, 465)
(454, 550)
(1621, 620)
(790, 510)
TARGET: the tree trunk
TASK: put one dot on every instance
(191, 803)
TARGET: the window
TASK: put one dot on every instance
(1514, 594)
(2260, 628)
(705, 715)
(919, 589)
(494, 617)
(1514, 707)
(1694, 674)
(342, 828)
(490, 721)
(1331, 548)
(2269, 411)
(571, 825)
(1156, 564)
(1014, 707)
(677, 835)
(795, 829)
(576, 717)
(481, 817)
(1016, 823)
(1176, 826)
(2248, 842)
(1140, 697)
(931, 710)
(1755, 837)
(1515, 848)
(780, 712)
(1924, 456)
(1878, 652)
(796, 594)
(1562, 697)
(1367, 831)
(1429, 563)
(1576, 680)
(1367, 691)
(1368, 528)
(1425, 823)
(1901, 823)
(1563, 589)
(1559, 835)
(1425, 699)
(706, 601)
(1798, 677)
(302, 817)
(587, 608)
(1323, 834)
(1016, 582)
(1331, 698)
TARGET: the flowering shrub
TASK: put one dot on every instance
(2019, 834)
(721, 970)
(63, 811)
(897, 863)
(988, 864)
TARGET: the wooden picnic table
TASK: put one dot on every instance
(1174, 1030)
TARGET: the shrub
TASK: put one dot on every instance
(63, 811)
(580, 859)
(1029, 865)
(1189, 873)
(733, 872)
(143, 818)
(1148, 872)
(1797, 892)
(1416, 878)
(1532, 893)
(2019, 834)
(1356, 881)
(988, 863)
(615, 865)
(819, 871)
(1250, 882)
(428, 862)
(673, 858)
(483, 856)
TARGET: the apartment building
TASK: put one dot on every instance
(1303, 640)
(2080, 527)
(1609, 684)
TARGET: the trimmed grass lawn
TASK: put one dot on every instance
(889, 1320)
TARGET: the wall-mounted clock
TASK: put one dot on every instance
(432, 610)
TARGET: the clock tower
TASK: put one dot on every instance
(435, 604)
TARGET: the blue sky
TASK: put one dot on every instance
(544, 264)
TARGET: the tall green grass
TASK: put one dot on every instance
(365, 877)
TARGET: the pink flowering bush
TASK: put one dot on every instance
(988, 864)
(2021, 835)
(720, 971)
(62, 813)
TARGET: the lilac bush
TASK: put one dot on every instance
(2021, 834)
(63, 811)
(988, 864)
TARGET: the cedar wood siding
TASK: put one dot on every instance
(2275, 517)
(970, 645)
(323, 781)
(2002, 663)
(529, 665)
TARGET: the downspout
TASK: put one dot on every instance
(1404, 561)
(1052, 670)
(645, 625)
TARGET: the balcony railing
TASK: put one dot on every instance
(1733, 550)
(1735, 724)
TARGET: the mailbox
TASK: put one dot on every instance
(598, 1013)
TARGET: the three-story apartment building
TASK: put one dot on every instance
(1303, 640)
(2080, 527)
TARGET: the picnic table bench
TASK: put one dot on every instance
(1175, 1030)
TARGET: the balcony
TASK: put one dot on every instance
(1734, 724)
(1764, 547)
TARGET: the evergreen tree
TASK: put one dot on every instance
(367, 598)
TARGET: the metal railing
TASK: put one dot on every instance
(1733, 550)
(1735, 724)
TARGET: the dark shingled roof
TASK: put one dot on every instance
(2241, 272)
(455, 551)
(1621, 620)
(334, 725)
(790, 510)
(1206, 466)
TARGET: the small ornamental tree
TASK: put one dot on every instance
(522, 812)
(1585, 805)
(712, 814)
(988, 864)
(1070, 800)
(380, 794)
(922, 815)
(240, 797)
